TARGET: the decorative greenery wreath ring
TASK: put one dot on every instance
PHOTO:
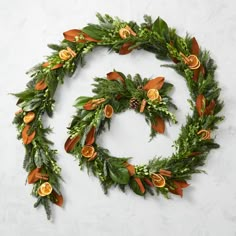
(163, 175)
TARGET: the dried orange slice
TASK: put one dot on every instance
(88, 151)
(130, 30)
(29, 117)
(27, 138)
(153, 94)
(108, 111)
(205, 134)
(45, 189)
(64, 55)
(124, 33)
(193, 63)
(158, 180)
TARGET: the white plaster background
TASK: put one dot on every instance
(209, 204)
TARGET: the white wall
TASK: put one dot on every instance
(209, 204)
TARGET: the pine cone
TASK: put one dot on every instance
(134, 103)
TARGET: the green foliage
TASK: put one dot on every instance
(153, 36)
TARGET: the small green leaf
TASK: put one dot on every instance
(93, 31)
(119, 175)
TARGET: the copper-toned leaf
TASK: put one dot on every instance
(125, 49)
(57, 66)
(70, 143)
(156, 83)
(89, 106)
(140, 184)
(90, 136)
(179, 185)
(130, 168)
(195, 47)
(114, 76)
(159, 125)
(46, 64)
(58, 198)
(200, 104)
(27, 138)
(177, 191)
(32, 176)
(41, 85)
(196, 72)
(210, 107)
(71, 34)
(148, 182)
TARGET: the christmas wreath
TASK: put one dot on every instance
(114, 95)
(164, 175)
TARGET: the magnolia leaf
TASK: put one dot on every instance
(195, 47)
(160, 26)
(119, 175)
(156, 83)
(159, 125)
(93, 32)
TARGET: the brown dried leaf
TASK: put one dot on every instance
(140, 184)
(159, 126)
(196, 72)
(27, 138)
(90, 136)
(130, 168)
(59, 198)
(210, 108)
(41, 85)
(200, 104)
(156, 83)
(70, 143)
(125, 49)
(195, 47)
(71, 34)
(31, 177)
(114, 76)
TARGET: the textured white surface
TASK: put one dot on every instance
(209, 204)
